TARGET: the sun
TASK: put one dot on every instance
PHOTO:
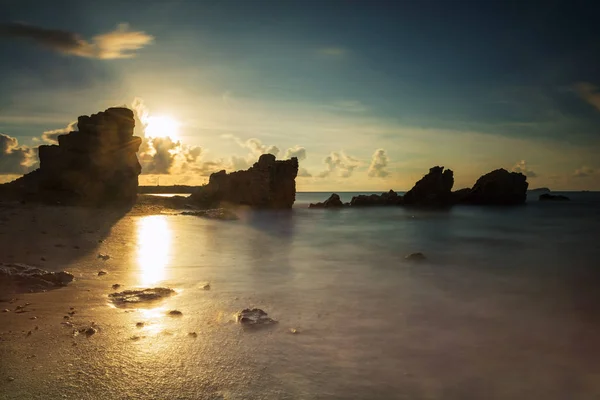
(162, 126)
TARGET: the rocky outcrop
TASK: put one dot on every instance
(390, 198)
(434, 189)
(553, 197)
(25, 278)
(333, 201)
(267, 184)
(92, 166)
(498, 187)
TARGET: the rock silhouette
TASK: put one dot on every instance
(390, 198)
(498, 187)
(434, 189)
(95, 165)
(267, 184)
(332, 202)
(553, 197)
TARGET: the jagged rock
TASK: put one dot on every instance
(134, 297)
(267, 184)
(254, 316)
(553, 197)
(498, 187)
(21, 277)
(434, 189)
(332, 202)
(95, 165)
(390, 198)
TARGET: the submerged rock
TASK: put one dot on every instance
(416, 257)
(218, 213)
(25, 278)
(133, 297)
(553, 197)
(254, 316)
(267, 184)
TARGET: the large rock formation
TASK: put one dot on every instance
(498, 187)
(434, 189)
(267, 184)
(390, 198)
(95, 165)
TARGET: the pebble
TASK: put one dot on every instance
(100, 273)
(66, 317)
(43, 258)
(293, 331)
(6, 310)
(206, 287)
(104, 256)
(175, 313)
(193, 334)
(10, 379)
(140, 324)
(33, 318)
(116, 286)
(29, 333)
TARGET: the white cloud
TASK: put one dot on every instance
(15, 159)
(296, 151)
(522, 167)
(341, 163)
(51, 136)
(379, 162)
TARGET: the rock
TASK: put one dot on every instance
(6, 310)
(434, 189)
(175, 313)
(206, 286)
(10, 379)
(254, 316)
(95, 165)
(267, 184)
(219, 213)
(294, 331)
(332, 202)
(104, 257)
(139, 324)
(88, 331)
(102, 273)
(25, 278)
(416, 257)
(133, 297)
(115, 286)
(553, 197)
(193, 334)
(498, 187)
(390, 198)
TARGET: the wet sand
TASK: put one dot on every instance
(344, 331)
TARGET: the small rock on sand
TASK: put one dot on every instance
(140, 324)
(206, 286)
(104, 256)
(88, 331)
(254, 316)
(6, 310)
(116, 286)
(10, 379)
(101, 273)
(175, 313)
(293, 331)
(133, 297)
(193, 334)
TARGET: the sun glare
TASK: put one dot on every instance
(154, 248)
(162, 126)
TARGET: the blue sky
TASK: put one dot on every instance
(371, 93)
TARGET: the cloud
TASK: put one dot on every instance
(120, 43)
(15, 159)
(341, 163)
(585, 172)
(296, 151)
(51, 136)
(589, 93)
(522, 167)
(379, 164)
(333, 51)
(303, 173)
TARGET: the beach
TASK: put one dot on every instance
(502, 307)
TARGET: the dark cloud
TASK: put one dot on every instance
(120, 43)
(15, 159)
(585, 172)
(522, 167)
(379, 162)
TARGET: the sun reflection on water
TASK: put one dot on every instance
(154, 248)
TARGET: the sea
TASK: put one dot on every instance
(505, 305)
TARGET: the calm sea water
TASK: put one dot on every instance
(506, 306)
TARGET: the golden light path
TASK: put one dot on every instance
(162, 126)
(154, 248)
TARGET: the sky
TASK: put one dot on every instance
(367, 94)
